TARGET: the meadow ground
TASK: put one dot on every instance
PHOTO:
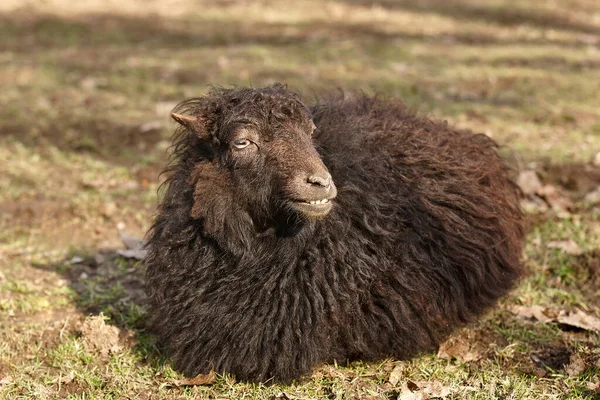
(85, 93)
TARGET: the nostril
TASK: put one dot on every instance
(324, 181)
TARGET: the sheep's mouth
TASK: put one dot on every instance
(314, 202)
(313, 208)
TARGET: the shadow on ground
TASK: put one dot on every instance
(106, 283)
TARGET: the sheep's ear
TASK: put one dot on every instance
(194, 124)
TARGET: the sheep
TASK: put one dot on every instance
(291, 236)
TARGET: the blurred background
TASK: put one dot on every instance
(86, 88)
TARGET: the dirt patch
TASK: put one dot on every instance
(554, 358)
(102, 339)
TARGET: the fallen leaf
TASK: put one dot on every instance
(135, 254)
(424, 390)
(395, 375)
(6, 381)
(529, 182)
(408, 394)
(568, 246)
(135, 247)
(579, 319)
(531, 312)
(75, 260)
(200, 379)
(131, 242)
(436, 390)
(534, 204)
(557, 201)
(458, 347)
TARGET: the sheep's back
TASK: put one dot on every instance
(434, 202)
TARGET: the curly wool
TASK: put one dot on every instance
(425, 234)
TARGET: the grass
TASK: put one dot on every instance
(86, 92)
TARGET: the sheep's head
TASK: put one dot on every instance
(257, 155)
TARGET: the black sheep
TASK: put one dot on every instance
(262, 264)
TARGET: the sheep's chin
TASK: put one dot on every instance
(312, 211)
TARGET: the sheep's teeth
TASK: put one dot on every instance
(314, 202)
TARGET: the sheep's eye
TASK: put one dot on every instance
(241, 144)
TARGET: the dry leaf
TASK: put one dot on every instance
(534, 204)
(579, 319)
(131, 242)
(200, 379)
(6, 381)
(458, 347)
(424, 390)
(135, 247)
(411, 391)
(436, 390)
(555, 199)
(531, 312)
(395, 375)
(135, 254)
(568, 246)
(529, 182)
(75, 260)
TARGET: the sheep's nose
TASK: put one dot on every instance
(320, 180)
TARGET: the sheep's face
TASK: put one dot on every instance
(261, 144)
(278, 167)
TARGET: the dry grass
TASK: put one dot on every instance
(86, 90)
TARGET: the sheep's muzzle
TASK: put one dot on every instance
(314, 194)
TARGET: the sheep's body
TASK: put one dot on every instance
(424, 235)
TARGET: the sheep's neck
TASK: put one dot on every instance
(288, 232)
